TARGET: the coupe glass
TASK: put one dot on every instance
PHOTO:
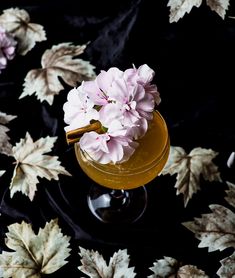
(118, 194)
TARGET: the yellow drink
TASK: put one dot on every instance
(144, 165)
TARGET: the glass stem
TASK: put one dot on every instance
(117, 206)
(119, 198)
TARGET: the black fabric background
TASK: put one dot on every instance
(194, 62)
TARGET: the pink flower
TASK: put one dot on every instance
(152, 89)
(133, 101)
(7, 48)
(143, 76)
(107, 149)
(111, 118)
(98, 89)
(138, 130)
(79, 110)
(123, 102)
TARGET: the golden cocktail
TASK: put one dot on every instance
(143, 166)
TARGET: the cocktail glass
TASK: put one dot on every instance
(119, 194)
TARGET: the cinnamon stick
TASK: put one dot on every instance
(74, 136)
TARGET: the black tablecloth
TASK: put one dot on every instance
(194, 63)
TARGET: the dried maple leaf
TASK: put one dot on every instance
(169, 268)
(228, 267)
(215, 230)
(178, 8)
(17, 22)
(33, 254)
(57, 62)
(164, 267)
(230, 194)
(191, 271)
(219, 6)
(189, 168)
(5, 145)
(32, 163)
(94, 265)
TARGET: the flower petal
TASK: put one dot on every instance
(94, 93)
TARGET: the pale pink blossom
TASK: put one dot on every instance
(110, 113)
(78, 110)
(133, 101)
(138, 130)
(107, 149)
(7, 48)
(152, 89)
(98, 96)
(111, 120)
(143, 76)
(123, 102)
(98, 89)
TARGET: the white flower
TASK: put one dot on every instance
(79, 110)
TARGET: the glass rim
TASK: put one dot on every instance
(113, 169)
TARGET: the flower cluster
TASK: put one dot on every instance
(7, 48)
(123, 102)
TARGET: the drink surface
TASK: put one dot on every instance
(144, 165)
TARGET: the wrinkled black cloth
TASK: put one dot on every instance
(193, 59)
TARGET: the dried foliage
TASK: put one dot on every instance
(230, 194)
(94, 265)
(189, 169)
(219, 6)
(190, 271)
(228, 267)
(33, 254)
(178, 8)
(5, 145)
(32, 163)
(169, 268)
(164, 267)
(17, 22)
(215, 230)
(59, 61)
